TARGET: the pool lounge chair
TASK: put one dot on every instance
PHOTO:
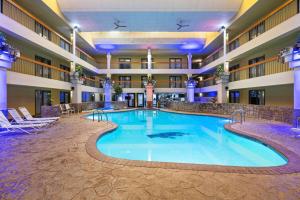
(19, 120)
(69, 108)
(5, 124)
(29, 117)
(64, 110)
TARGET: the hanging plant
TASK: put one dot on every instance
(7, 49)
(219, 71)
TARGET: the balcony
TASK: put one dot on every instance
(50, 38)
(273, 25)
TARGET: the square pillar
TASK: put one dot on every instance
(5, 63)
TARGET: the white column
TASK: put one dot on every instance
(108, 63)
(3, 89)
(76, 94)
(222, 83)
(190, 90)
(296, 66)
(149, 59)
(5, 63)
(189, 58)
(107, 91)
(97, 97)
(74, 39)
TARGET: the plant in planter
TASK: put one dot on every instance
(150, 80)
(7, 49)
(220, 74)
(78, 75)
(118, 90)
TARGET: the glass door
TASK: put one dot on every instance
(140, 100)
(42, 98)
(131, 99)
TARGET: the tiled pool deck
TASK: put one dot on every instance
(55, 165)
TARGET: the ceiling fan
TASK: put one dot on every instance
(181, 25)
(118, 25)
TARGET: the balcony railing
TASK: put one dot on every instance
(143, 65)
(28, 66)
(274, 18)
(210, 81)
(159, 84)
(14, 11)
(267, 67)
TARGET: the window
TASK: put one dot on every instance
(88, 97)
(234, 76)
(175, 63)
(143, 80)
(257, 70)
(257, 97)
(41, 70)
(42, 31)
(64, 97)
(234, 44)
(234, 97)
(144, 63)
(65, 45)
(64, 76)
(175, 82)
(125, 81)
(1, 6)
(83, 56)
(257, 30)
(124, 63)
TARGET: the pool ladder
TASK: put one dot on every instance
(241, 114)
(100, 115)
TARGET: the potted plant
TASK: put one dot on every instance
(118, 90)
(220, 74)
(11, 53)
(150, 80)
(78, 76)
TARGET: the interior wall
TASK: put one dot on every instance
(281, 95)
(25, 96)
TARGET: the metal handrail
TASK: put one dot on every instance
(241, 112)
(100, 114)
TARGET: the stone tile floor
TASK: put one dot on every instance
(54, 165)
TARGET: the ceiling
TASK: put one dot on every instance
(149, 15)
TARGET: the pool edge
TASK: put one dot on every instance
(292, 165)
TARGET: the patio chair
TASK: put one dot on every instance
(29, 117)
(5, 124)
(19, 120)
(69, 108)
(64, 110)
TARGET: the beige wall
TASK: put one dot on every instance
(25, 96)
(160, 61)
(281, 95)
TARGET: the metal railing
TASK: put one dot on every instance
(100, 115)
(240, 113)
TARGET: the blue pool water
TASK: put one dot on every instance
(169, 137)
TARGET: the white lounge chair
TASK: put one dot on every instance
(29, 117)
(69, 108)
(5, 124)
(64, 110)
(19, 120)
